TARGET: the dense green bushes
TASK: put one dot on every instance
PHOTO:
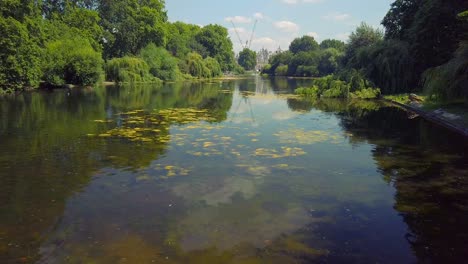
(247, 59)
(306, 58)
(19, 56)
(72, 61)
(161, 63)
(129, 69)
(450, 80)
(58, 42)
(333, 87)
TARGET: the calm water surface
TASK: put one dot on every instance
(226, 172)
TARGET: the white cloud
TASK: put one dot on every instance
(239, 30)
(313, 34)
(259, 15)
(287, 26)
(290, 2)
(337, 16)
(312, 1)
(239, 19)
(342, 36)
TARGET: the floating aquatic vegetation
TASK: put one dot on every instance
(169, 171)
(281, 166)
(275, 154)
(103, 121)
(301, 136)
(142, 126)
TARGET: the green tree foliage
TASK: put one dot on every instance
(181, 39)
(450, 80)
(388, 64)
(128, 70)
(303, 44)
(71, 61)
(213, 66)
(281, 58)
(130, 25)
(19, 55)
(248, 59)
(329, 61)
(364, 36)
(304, 64)
(281, 70)
(161, 63)
(216, 44)
(436, 32)
(333, 43)
(195, 66)
(333, 87)
(399, 18)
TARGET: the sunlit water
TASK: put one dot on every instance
(226, 172)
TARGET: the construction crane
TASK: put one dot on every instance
(252, 34)
(248, 43)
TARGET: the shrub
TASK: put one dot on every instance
(213, 66)
(129, 69)
(19, 56)
(160, 62)
(332, 87)
(281, 70)
(308, 91)
(71, 61)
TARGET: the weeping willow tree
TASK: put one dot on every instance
(450, 80)
(129, 70)
(389, 65)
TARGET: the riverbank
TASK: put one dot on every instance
(452, 116)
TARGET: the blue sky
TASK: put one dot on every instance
(280, 21)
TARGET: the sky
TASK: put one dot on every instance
(280, 21)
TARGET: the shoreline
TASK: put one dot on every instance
(434, 117)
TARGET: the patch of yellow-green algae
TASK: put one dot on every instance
(299, 136)
(140, 126)
(277, 154)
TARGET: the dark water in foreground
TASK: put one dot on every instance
(226, 172)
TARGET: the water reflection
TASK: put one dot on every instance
(225, 172)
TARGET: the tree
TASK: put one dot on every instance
(363, 36)
(305, 43)
(19, 56)
(215, 39)
(73, 61)
(399, 18)
(248, 59)
(389, 65)
(436, 32)
(333, 43)
(213, 66)
(450, 80)
(181, 39)
(160, 62)
(130, 25)
(329, 61)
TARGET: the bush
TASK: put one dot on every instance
(72, 61)
(160, 62)
(449, 81)
(19, 56)
(238, 70)
(281, 70)
(213, 66)
(308, 92)
(129, 69)
(368, 93)
(332, 87)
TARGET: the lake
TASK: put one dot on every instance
(237, 171)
